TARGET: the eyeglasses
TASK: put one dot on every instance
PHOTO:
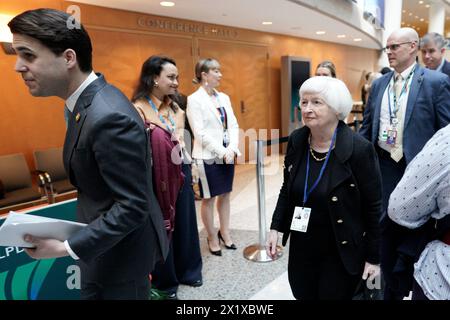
(394, 47)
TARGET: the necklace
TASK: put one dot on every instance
(314, 156)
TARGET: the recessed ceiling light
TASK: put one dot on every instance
(420, 2)
(427, 6)
(410, 14)
(320, 32)
(267, 22)
(422, 19)
(167, 3)
(357, 39)
(341, 35)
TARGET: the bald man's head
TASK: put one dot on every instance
(402, 46)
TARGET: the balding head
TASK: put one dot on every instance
(403, 45)
(406, 34)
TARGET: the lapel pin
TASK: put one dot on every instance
(77, 117)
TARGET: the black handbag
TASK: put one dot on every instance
(362, 292)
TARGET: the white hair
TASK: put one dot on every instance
(332, 91)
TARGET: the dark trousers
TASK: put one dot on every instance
(417, 293)
(132, 290)
(184, 262)
(391, 173)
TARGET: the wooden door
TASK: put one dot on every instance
(245, 80)
(122, 64)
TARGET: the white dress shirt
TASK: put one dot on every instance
(384, 112)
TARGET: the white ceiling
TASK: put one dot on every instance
(288, 18)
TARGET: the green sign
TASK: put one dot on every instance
(23, 278)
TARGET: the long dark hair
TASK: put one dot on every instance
(151, 68)
(49, 26)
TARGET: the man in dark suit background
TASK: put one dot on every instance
(106, 155)
(432, 46)
(404, 110)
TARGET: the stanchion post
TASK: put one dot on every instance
(257, 252)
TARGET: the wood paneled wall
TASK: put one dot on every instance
(121, 45)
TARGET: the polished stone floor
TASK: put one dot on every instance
(232, 276)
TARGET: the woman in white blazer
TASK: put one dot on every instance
(216, 135)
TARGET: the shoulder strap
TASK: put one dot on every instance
(142, 114)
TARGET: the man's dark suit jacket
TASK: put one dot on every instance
(107, 156)
(427, 110)
(446, 68)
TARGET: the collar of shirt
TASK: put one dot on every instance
(441, 65)
(406, 72)
(72, 100)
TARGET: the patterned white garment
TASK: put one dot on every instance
(424, 193)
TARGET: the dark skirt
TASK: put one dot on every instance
(184, 261)
(214, 178)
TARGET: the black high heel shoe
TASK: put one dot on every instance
(217, 252)
(231, 246)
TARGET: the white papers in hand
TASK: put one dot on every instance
(17, 225)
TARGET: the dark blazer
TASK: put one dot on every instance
(107, 156)
(354, 195)
(427, 110)
(446, 68)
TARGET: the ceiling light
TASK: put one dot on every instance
(341, 35)
(410, 14)
(427, 6)
(357, 39)
(320, 32)
(167, 3)
(420, 2)
(267, 23)
(422, 19)
(404, 11)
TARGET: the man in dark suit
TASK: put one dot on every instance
(432, 46)
(404, 110)
(106, 155)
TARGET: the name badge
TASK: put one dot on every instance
(301, 219)
(226, 138)
(391, 137)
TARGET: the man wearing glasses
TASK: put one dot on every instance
(404, 110)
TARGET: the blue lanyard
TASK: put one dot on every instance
(172, 122)
(306, 193)
(393, 112)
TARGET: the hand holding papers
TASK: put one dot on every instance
(17, 225)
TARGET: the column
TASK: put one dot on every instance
(436, 17)
(392, 22)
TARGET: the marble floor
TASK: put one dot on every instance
(232, 276)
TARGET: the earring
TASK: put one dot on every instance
(206, 83)
(156, 84)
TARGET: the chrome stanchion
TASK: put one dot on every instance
(257, 252)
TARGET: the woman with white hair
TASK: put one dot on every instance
(330, 200)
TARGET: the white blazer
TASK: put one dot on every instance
(207, 126)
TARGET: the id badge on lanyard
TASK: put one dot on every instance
(226, 137)
(392, 133)
(301, 219)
